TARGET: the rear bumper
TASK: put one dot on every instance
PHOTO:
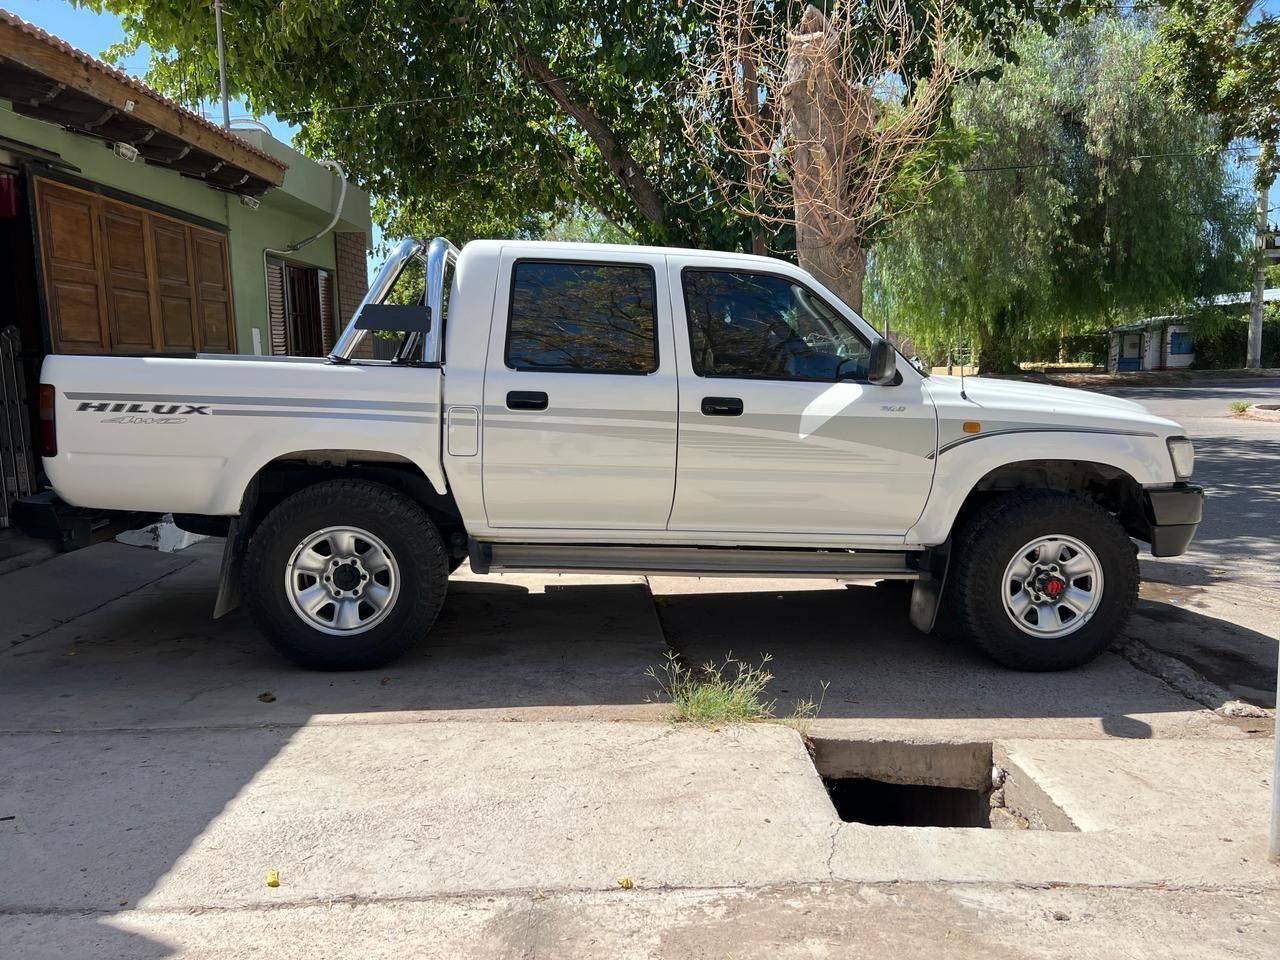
(1172, 514)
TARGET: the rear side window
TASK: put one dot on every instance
(583, 318)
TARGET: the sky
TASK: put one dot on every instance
(94, 32)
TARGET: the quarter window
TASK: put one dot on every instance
(583, 318)
(763, 327)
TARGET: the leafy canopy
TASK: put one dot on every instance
(1093, 195)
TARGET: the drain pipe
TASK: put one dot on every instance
(336, 167)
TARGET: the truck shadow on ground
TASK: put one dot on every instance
(573, 651)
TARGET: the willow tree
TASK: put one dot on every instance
(1093, 195)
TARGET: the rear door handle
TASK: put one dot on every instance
(721, 407)
(526, 400)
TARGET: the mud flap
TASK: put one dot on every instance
(233, 549)
(926, 596)
(229, 574)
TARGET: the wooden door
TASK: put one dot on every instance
(70, 252)
(128, 278)
(121, 278)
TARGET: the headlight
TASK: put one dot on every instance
(1183, 455)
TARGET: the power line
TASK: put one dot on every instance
(1138, 156)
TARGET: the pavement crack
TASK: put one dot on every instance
(831, 853)
(1184, 679)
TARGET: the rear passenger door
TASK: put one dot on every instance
(579, 424)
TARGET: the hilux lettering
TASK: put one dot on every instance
(164, 409)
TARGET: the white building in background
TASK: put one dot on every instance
(1165, 343)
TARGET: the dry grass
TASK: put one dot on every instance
(732, 691)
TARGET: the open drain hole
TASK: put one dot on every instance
(887, 783)
(881, 804)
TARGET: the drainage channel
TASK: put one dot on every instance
(913, 784)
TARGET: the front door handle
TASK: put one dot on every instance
(526, 400)
(721, 407)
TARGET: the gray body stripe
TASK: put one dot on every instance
(999, 433)
(326, 415)
(250, 401)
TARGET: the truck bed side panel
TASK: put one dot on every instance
(187, 435)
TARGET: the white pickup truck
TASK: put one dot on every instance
(581, 407)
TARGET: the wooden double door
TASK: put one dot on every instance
(120, 278)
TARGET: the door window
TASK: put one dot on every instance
(583, 318)
(763, 327)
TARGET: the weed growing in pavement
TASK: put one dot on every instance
(1240, 406)
(729, 692)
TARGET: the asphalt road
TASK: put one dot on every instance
(1237, 461)
(1217, 608)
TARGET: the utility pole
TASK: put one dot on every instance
(222, 66)
(1263, 179)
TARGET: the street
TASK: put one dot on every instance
(488, 795)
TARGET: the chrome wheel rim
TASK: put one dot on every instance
(342, 580)
(1052, 587)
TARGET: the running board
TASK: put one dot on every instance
(692, 561)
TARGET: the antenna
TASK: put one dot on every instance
(963, 395)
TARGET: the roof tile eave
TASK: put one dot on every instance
(93, 63)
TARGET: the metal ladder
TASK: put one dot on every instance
(17, 466)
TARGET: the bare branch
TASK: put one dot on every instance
(822, 115)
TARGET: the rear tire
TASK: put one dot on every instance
(345, 575)
(1042, 580)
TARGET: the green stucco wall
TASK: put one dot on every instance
(300, 208)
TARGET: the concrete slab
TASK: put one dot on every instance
(38, 598)
(187, 819)
(774, 922)
(888, 681)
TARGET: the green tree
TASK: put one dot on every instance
(1224, 57)
(1092, 196)
(465, 117)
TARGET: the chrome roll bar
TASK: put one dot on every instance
(441, 254)
(436, 258)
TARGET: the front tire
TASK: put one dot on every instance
(1042, 580)
(345, 575)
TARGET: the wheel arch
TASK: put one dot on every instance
(1107, 469)
(289, 473)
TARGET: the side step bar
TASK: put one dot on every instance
(692, 561)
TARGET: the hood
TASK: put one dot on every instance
(1022, 401)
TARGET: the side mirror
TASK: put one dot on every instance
(882, 366)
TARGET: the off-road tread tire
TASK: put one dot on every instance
(983, 547)
(398, 521)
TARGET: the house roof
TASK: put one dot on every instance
(1269, 295)
(48, 79)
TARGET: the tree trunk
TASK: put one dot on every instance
(840, 267)
(1254, 359)
(996, 354)
(815, 98)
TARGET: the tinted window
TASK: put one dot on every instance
(587, 318)
(765, 327)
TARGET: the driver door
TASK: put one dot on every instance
(779, 431)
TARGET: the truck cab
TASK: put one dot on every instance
(569, 406)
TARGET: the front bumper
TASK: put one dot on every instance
(1172, 514)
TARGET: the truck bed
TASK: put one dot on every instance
(186, 435)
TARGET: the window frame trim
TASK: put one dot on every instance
(511, 300)
(684, 296)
